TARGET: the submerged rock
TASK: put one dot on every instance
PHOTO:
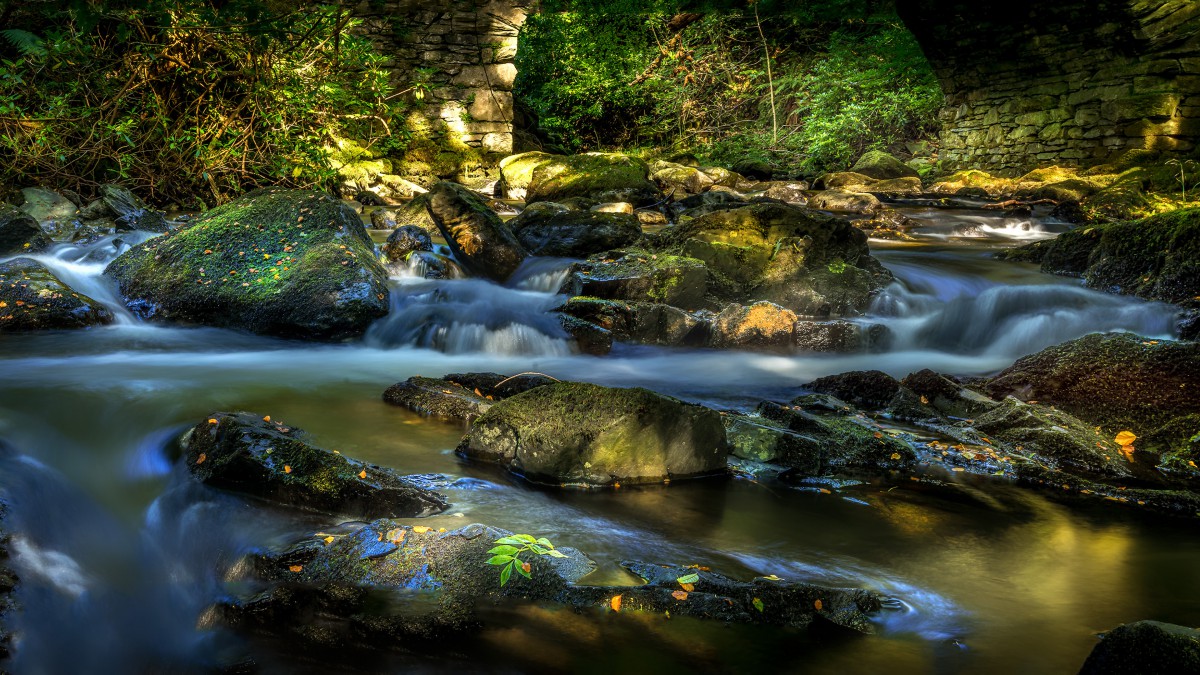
(551, 231)
(598, 176)
(246, 453)
(1146, 647)
(20, 232)
(476, 235)
(32, 298)
(585, 434)
(291, 263)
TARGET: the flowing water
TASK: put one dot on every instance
(121, 554)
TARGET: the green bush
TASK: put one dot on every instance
(182, 101)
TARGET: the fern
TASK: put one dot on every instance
(25, 42)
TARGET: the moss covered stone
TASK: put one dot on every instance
(32, 298)
(674, 280)
(823, 438)
(882, 166)
(437, 398)
(245, 452)
(574, 234)
(478, 237)
(584, 434)
(292, 263)
(516, 172)
(603, 177)
(637, 322)
(1145, 647)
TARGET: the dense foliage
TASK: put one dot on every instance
(810, 90)
(184, 99)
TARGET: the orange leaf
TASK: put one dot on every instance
(895, 455)
(296, 568)
(924, 400)
(687, 587)
(287, 469)
(526, 566)
(958, 468)
(212, 420)
(362, 474)
(1125, 438)
(478, 393)
(201, 458)
(267, 418)
(421, 529)
(615, 603)
(818, 604)
(679, 595)
(878, 435)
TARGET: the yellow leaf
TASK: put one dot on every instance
(287, 469)
(201, 458)
(267, 418)
(421, 529)
(818, 604)
(296, 568)
(679, 595)
(212, 420)
(895, 455)
(925, 400)
(362, 474)
(615, 603)
(687, 587)
(328, 540)
(1125, 438)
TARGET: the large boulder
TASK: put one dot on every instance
(32, 298)
(674, 280)
(598, 176)
(516, 172)
(1119, 381)
(247, 453)
(810, 263)
(867, 388)
(476, 235)
(845, 201)
(679, 180)
(554, 230)
(43, 205)
(19, 232)
(637, 322)
(1146, 647)
(584, 434)
(881, 165)
(130, 211)
(292, 263)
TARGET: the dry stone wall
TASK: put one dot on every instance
(1073, 83)
(462, 51)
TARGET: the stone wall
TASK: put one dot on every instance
(1073, 83)
(463, 50)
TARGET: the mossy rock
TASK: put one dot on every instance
(20, 232)
(1146, 647)
(845, 201)
(642, 276)
(516, 172)
(678, 180)
(882, 166)
(32, 298)
(603, 177)
(637, 322)
(1119, 381)
(573, 433)
(437, 398)
(573, 234)
(416, 213)
(994, 186)
(478, 237)
(247, 453)
(761, 326)
(869, 388)
(827, 439)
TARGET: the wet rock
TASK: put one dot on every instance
(1157, 258)
(500, 386)
(433, 266)
(476, 235)
(981, 185)
(32, 298)
(887, 223)
(791, 192)
(405, 240)
(652, 218)
(820, 437)
(871, 389)
(713, 200)
(724, 178)
(588, 337)
(1069, 212)
(292, 263)
(416, 212)
(438, 398)
(1118, 381)
(516, 172)
(550, 231)
(947, 396)
(679, 181)
(678, 281)
(584, 434)
(20, 232)
(638, 322)
(1146, 647)
(97, 209)
(131, 212)
(384, 219)
(881, 165)
(844, 201)
(243, 452)
(763, 325)
(603, 177)
(42, 205)
(614, 207)
(840, 336)
(758, 169)
(813, 264)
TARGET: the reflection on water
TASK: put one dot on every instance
(121, 552)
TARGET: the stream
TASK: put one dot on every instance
(121, 553)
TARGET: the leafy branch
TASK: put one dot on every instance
(508, 554)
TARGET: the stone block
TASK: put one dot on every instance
(491, 106)
(1146, 106)
(496, 76)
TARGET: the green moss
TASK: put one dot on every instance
(606, 177)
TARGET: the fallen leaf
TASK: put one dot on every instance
(925, 400)
(1125, 438)
(615, 603)
(212, 420)
(688, 578)
(527, 567)
(287, 469)
(687, 587)
(895, 455)
(818, 604)
(679, 595)
(878, 435)
(328, 540)
(825, 491)
(201, 458)
(267, 418)
(772, 577)
(296, 568)
(758, 604)
(421, 529)
(362, 474)
(958, 468)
